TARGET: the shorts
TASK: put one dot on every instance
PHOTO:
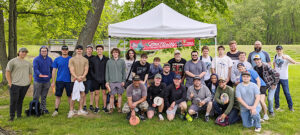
(60, 86)
(263, 90)
(97, 86)
(197, 108)
(88, 86)
(172, 111)
(142, 106)
(116, 88)
(150, 108)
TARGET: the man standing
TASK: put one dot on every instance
(175, 97)
(155, 68)
(19, 76)
(115, 76)
(42, 66)
(226, 107)
(79, 67)
(207, 60)
(233, 53)
(222, 65)
(265, 57)
(194, 68)
(167, 76)
(247, 93)
(141, 68)
(89, 79)
(63, 80)
(271, 78)
(177, 64)
(98, 64)
(235, 73)
(201, 98)
(281, 63)
(136, 98)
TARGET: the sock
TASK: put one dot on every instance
(56, 109)
(207, 114)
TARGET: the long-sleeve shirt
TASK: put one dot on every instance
(115, 71)
(155, 91)
(174, 94)
(203, 94)
(232, 101)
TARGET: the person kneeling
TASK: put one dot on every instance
(224, 103)
(200, 96)
(136, 96)
(175, 97)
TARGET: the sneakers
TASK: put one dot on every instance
(272, 114)
(104, 109)
(128, 116)
(257, 129)
(84, 108)
(292, 109)
(188, 118)
(46, 111)
(54, 113)
(161, 117)
(71, 114)
(96, 110)
(142, 117)
(266, 117)
(277, 108)
(82, 112)
(92, 108)
(111, 110)
(206, 118)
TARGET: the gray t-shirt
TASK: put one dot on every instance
(136, 93)
(247, 93)
(196, 69)
(203, 94)
(20, 70)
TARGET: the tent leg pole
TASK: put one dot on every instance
(216, 55)
(199, 46)
(109, 47)
(124, 49)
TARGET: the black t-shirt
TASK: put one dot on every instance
(154, 91)
(177, 67)
(259, 70)
(234, 56)
(89, 76)
(141, 70)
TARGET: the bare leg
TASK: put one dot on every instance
(92, 95)
(119, 101)
(263, 103)
(104, 96)
(111, 102)
(97, 98)
(82, 94)
(57, 102)
(209, 107)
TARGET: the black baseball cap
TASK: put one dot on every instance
(166, 65)
(240, 64)
(64, 47)
(79, 47)
(136, 78)
(246, 73)
(177, 76)
(279, 47)
(196, 78)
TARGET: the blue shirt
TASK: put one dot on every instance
(168, 79)
(247, 93)
(254, 75)
(62, 66)
(265, 57)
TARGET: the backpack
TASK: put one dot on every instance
(34, 109)
(211, 59)
(222, 123)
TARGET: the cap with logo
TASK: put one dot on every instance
(64, 47)
(222, 79)
(240, 64)
(158, 76)
(256, 57)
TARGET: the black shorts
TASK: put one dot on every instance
(263, 90)
(98, 86)
(88, 86)
(60, 86)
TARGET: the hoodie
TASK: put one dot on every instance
(42, 66)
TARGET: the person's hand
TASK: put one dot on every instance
(223, 116)
(53, 84)
(253, 111)
(170, 108)
(192, 95)
(273, 87)
(154, 105)
(133, 114)
(236, 83)
(173, 104)
(9, 85)
(227, 80)
(43, 76)
(202, 103)
(226, 101)
(107, 84)
(123, 84)
(134, 104)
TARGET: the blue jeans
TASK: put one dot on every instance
(233, 116)
(286, 91)
(271, 99)
(250, 120)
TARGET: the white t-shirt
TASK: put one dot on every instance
(282, 66)
(128, 64)
(207, 62)
(222, 65)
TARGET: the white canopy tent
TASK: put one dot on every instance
(162, 22)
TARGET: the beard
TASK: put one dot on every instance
(233, 50)
(194, 59)
(257, 49)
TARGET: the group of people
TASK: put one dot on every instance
(228, 86)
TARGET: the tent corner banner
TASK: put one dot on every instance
(140, 45)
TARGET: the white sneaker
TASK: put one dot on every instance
(266, 117)
(161, 117)
(257, 129)
(54, 113)
(75, 111)
(82, 112)
(262, 120)
(71, 114)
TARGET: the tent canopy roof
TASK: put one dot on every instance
(162, 22)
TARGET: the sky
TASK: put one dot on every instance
(122, 1)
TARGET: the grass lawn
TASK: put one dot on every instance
(285, 122)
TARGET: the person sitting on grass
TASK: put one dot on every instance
(213, 84)
(156, 90)
(136, 98)
(200, 96)
(248, 95)
(226, 106)
(175, 97)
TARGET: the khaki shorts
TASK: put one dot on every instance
(142, 106)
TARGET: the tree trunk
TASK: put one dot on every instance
(92, 20)
(3, 55)
(12, 41)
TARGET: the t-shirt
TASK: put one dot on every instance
(247, 93)
(260, 71)
(222, 65)
(196, 69)
(79, 64)
(128, 64)
(141, 70)
(136, 93)
(168, 79)
(62, 66)
(207, 61)
(254, 75)
(89, 76)
(177, 67)
(154, 70)
(265, 57)
(20, 70)
(234, 57)
(282, 66)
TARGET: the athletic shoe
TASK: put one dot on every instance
(128, 116)
(206, 118)
(104, 109)
(277, 108)
(82, 112)
(54, 113)
(181, 116)
(46, 111)
(272, 114)
(142, 117)
(188, 118)
(96, 110)
(84, 108)
(262, 120)
(292, 109)
(161, 117)
(266, 117)
(92, 108)
(119, 110)
(71, 114)
(11, 119)
(257, 129)
(111, 110)
(75, 111)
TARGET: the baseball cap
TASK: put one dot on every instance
(64, 47)
(176, 52)
(177, 76)
(196, 78)
(279, 47)
(245, 73)
(79, 47)
(256, 57)
(166, 64)
(157, 76)
(89, 46)
(240, 64)
(23, 49)
(222, 79)
(136, 78)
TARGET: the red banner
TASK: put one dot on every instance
(139, 45)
